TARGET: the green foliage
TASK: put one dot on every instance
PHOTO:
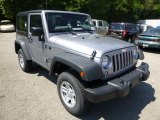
(110, 10)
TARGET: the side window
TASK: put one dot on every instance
(100, 23)
(35, 21)
(94, 22)
(105, 24)
(22, 23)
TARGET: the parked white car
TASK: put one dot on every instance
(101, 26)
(150, 22)
(6, 25)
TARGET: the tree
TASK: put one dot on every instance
(11, 7)
(110, 10)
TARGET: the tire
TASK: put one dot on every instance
(26, 65)
(80, 104)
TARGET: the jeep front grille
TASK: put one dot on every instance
(122, 60)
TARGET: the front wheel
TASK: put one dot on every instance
(25, 65)
(71, 93)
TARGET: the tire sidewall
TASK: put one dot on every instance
(80, 99)
(24, 59)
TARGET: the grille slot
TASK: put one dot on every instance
(122, 60)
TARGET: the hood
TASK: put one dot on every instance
(153, 32)
(150, 34)
(87, 43)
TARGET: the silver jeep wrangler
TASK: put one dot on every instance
(91, 68)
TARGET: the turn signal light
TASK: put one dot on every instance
(82, 74)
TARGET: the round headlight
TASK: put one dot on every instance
(105, 62)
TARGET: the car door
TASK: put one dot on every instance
(37, 43)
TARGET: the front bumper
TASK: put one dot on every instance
(118, 87)
(149, 44)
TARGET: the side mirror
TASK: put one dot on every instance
(36, 31)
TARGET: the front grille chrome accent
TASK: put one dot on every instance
(122, 60)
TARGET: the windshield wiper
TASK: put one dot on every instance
(89, 31)
(67, 30)
(71, 32)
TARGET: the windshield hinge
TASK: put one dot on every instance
(93, 54)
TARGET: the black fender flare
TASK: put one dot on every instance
(80, 64)
(24, 48)
(140, 54)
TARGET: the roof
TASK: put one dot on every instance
(97, 20)
(123, 23)
(55, 11)
(5, 21)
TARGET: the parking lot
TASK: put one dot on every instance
(33, 96)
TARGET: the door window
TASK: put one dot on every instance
(94, 22)
(100, 23)
(35, 21)
(22, 23)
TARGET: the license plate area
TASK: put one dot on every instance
(145, 45)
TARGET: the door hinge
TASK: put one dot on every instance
(48, 60)
(45, 59)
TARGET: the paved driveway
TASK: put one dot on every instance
(33, 96)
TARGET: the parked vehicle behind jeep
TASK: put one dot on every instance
(149, 38)
(6, 26)
(101, 26)
(124, 31)
(91, 68)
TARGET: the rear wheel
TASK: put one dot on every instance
(71, 93)
(26, 65)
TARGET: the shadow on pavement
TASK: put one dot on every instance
(43, 72)
(127, 108)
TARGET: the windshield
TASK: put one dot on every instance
(132, 27)
(105, 24)
(153, 30)
(67, 22)
(117, 26)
